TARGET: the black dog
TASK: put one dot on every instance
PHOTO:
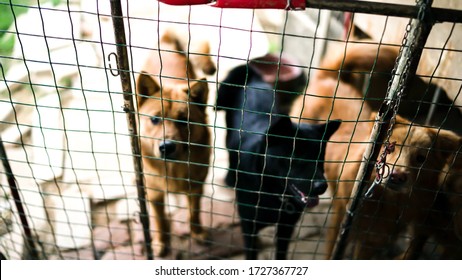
(276, 165)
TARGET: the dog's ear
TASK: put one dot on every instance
(399, 119)
(330, 128)
(402, 120)
(281, 125)
(145, 86)
(198, 91)
(447, 143)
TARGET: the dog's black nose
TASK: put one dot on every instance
(167, 148)
(318, 187)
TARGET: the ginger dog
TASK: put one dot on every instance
(173, 134)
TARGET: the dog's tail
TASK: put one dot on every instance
(171, 38)
(201, 59)
(199, 51)
(350, 65)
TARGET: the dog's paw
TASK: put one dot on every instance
(160, 249)
(203, 237)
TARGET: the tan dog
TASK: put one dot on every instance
(328, 98)
(173, 134)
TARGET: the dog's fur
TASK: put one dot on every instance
(407, 195)
(444, 223)
(276, 166)
(452, 186)
(173, 134)
(355, 62)
(368, 68)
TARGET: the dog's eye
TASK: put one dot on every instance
(421, 157)
(155, 120)
(182, 120)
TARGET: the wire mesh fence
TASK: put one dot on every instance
(112, 111)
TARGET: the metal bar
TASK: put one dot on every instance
(385, 9)
(405, 68)
(324, 26)
(18, 203)
(129, 108)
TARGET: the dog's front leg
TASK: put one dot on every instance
(335, 223)
(161, 240)
(250, 236)
(416, 245)
(194, 200)
(285, 229)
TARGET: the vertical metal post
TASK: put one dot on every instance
(405, 69)
(18, 203)
(324, 26)
(129, 108)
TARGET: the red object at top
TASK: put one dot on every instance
(185, 2)
(244, 4)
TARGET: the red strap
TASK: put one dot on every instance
(244, 4)
(185, 2)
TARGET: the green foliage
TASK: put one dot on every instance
(9, 10)
(6, 43)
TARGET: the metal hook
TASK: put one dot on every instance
(287, 206)
(376, 182)
(116, 73)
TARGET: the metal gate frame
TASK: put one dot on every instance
(422, 18)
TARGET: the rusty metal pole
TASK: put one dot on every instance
(29, 239)
(405, 69)
(129, 108)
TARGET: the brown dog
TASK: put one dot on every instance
(173, 134)
(407, 195)
(452, 186)
(444, 223)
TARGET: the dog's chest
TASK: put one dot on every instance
(175, 177)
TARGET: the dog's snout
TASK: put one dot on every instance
(318, 187)
(398, 178)
(167, 148)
